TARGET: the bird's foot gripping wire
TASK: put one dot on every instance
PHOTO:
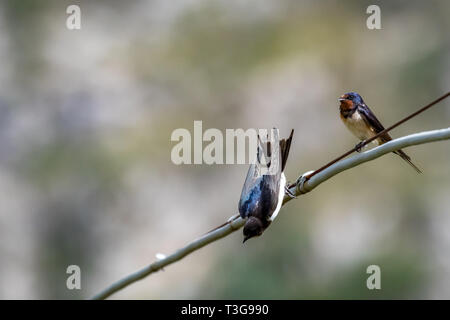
(301, 181)
(359, 146)
(288, 192)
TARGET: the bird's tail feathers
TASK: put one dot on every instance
(285, 145)
(405, 157)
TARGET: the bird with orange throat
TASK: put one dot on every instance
(363, 123)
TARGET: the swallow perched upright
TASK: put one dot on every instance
(264, 188)
(361, 121)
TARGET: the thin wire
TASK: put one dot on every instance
(365, 142)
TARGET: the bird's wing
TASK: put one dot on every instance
(370, 118)
(263, 179)
(250, 191)
(271, 180)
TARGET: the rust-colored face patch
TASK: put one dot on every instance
(346, 104)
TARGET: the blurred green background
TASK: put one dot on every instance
(86, 118)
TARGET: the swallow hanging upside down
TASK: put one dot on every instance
(265, 186)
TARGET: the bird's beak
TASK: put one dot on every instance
(342, 98)
(245, 239)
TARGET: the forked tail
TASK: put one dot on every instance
(405, 157)
(285, 145)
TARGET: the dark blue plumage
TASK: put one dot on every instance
(262, 198)
(263, 190)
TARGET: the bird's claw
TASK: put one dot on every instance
(289, 193)
(359, 146)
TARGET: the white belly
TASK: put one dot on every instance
(280, 197)
(358, 127)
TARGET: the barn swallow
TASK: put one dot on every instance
(264, 188)
(361, 121)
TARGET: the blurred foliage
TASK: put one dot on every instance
(85, 124)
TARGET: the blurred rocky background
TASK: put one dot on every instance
(86, 118)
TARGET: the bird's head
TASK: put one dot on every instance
(350, 101)
(252, 228)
